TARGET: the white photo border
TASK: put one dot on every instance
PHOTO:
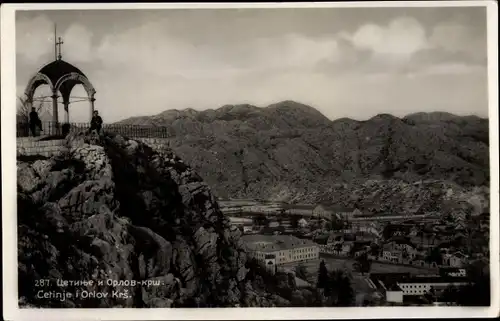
(9, 204)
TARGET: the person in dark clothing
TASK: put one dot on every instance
(96, 122)
(34, 121)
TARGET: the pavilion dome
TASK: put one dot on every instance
(57, 69)
(61, 76)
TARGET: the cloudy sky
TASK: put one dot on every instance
(346, 62)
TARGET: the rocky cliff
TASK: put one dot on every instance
(115, 210)
(291, 152)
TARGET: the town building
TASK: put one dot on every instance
(357, 212)
(427, 240)
(267, 230)
(302, 223)
(391, 255)
(365, 236)
(453, 272)
(328, 211)
(421, 262)
(273, 224)
(244, 224)
(298, 209)
(322, 241)
(346, 248)
(398, 286)
(456, 260)
(368, 228)
(285, 248)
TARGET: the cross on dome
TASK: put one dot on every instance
(59, 44)
(61, 77)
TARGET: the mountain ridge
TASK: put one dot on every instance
(436, 115)
(248, 151)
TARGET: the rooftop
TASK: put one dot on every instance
(271, 243)
(57, 69)
(298, 207)
(335, 208)
(390, 279)
(322, 239)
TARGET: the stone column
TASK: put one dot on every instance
(92, 107)
(66, 114)
(25, 128)
(29, 104)
(55, 115)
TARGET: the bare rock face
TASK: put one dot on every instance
(137, 225)
(290, 152)
(26, 178)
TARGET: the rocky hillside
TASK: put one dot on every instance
(113, 209)
(290, 151)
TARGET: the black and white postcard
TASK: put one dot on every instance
(304, 160)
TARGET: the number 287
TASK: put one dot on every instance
(42, 282)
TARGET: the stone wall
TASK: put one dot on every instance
(31, 146)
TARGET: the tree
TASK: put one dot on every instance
(363, 264)
(322, 276)
(294, 221)
(375, 249)
(22, 115)
(23, 110)
(430, 296)
(475, 293)
(338, 247)
(405, 254)
(261, 220)
(340, 289)
(388, 232)
(450, 295)
(336, 224)
(434, 255)
(336, 285)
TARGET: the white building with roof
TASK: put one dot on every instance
(303, 223)
(396, 286)
(328, 211)
(285, 248)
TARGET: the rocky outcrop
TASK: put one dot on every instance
(112, 209)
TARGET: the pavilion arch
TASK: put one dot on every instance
(61, 77)
(75, 78)
(35, 82)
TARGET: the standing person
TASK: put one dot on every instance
(34, 121)
(96, 122)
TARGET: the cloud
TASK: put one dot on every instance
(451, 69)
(143, 68)
(402, 37)
(454, 37)
(34, 38)
(77, 45)
(293, 51)
(164, 54)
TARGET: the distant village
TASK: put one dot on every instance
(283, 237)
